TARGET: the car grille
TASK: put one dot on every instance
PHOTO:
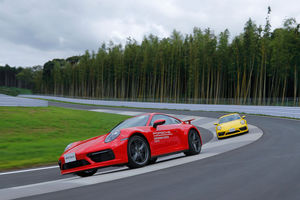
(74, 164)
(101, 156)
(221, 133)
(229, 133)
(243, 128)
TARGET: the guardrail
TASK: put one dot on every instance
(6, 100)
(270, 101)
(282, 111)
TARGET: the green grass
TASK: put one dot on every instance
(14, 91)
(38, 136)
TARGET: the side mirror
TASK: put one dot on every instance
(216, 124)
(243, 117)
(158, 122)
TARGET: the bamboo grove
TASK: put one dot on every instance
(259, 66)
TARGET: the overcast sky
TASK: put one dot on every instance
(35, 31)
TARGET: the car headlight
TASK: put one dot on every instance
(112, 136)
(243, 122)
(68, 147)
(219, 127)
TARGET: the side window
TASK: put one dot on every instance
(169, 120)
(175, 121)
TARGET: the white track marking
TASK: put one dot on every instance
(28, 170)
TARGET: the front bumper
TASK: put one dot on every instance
(227, 133)
(108, 155)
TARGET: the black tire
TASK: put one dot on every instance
(194, 143)
(152, 160)
(138, 152)
(86, 173)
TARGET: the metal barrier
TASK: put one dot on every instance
(6, 100)
(284, 111)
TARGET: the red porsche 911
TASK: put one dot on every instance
(134, 142)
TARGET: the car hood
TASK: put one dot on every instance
(231, 124)
(90, 145)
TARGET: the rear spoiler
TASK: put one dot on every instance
(188, 121)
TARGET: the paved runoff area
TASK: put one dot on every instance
(282, 111)
(6, 100)
(211, 148)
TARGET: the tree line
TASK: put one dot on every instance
(257, 66)
(9, 77)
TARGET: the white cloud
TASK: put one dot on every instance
(34, 31)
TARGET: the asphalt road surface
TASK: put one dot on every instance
(266, 169)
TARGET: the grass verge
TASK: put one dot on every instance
(38, 136)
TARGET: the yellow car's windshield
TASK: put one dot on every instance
(229, 118)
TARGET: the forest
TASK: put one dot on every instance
(258, 67)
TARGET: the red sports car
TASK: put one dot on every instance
(134, 142)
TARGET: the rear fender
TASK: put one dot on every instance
(193, 127)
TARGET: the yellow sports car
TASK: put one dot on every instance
(232, 124)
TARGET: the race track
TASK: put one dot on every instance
(265, 169)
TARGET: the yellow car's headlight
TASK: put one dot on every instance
(219, 127)
(242, 122)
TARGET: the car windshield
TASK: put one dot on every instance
(229, 118)
(132, 122)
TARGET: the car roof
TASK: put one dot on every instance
(228, 115)
(157, 113)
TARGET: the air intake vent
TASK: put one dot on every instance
(101, 156)
(77, 163)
